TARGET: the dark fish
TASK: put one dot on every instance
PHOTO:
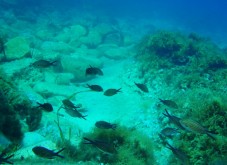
(74, 113)
(169, 132)
(105, 147)
(169, 103)
(96, 88)
(46, 153)
(4, 160)
(142, 87)
(42, 64)
(195, 127)
(68, 104)
(175, 120)
(105, 125)
(46, 107)
(179, 154)
(111, 92)
(93, 71)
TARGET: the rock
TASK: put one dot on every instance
(16, 48)
(61, 47)
(72, 34)
(64, 78)
(77, 65)
(92, 40)
(49, 89)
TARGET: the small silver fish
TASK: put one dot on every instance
(195, 127)
(111, 92)
(42, 64)
(179, 154)
(169, 132)
(105, 147)
(46, 153)
(105, 125)
(169, 103)
(142, 87)
(175, 120)
(96, 88)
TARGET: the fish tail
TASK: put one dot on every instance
(89, 141)
(160, 99)
(114, 126)
(57, 153)
(84, 117)
(118, 90)
(6, 159)
(52, 63)
(211, 135)
(166, 114)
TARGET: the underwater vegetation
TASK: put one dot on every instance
(119, 146)
(192, 70)
(14, 108)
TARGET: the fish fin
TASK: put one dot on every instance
(57, 153)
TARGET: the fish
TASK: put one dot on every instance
(46, 106)
(179, 154)
(96, 88)
(169, 103)
(175, 120)
(169, 132)
(46, 153)
(42, 64)
(194, 126)
(74, 113)
(142, 87)
(105, 125)
(105, 147)
(93, 71)
(68, 104)
(4, 160)
(111, 92)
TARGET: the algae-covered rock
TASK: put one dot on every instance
(16, 48)
(14, 108)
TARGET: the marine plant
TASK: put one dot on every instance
(201, 148)
(131, 146)
(15, 107)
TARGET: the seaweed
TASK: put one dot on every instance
(132, 147)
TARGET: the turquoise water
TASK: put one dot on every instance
(112, 82)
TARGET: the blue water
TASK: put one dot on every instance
(207, 18)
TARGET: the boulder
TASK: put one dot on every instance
(77, 65)
(16, 48)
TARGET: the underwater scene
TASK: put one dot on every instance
(108, 82)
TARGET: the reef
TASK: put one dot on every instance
(191, 70)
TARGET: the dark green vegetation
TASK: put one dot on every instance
(129, 147)
(14, 108)
(192, 71)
